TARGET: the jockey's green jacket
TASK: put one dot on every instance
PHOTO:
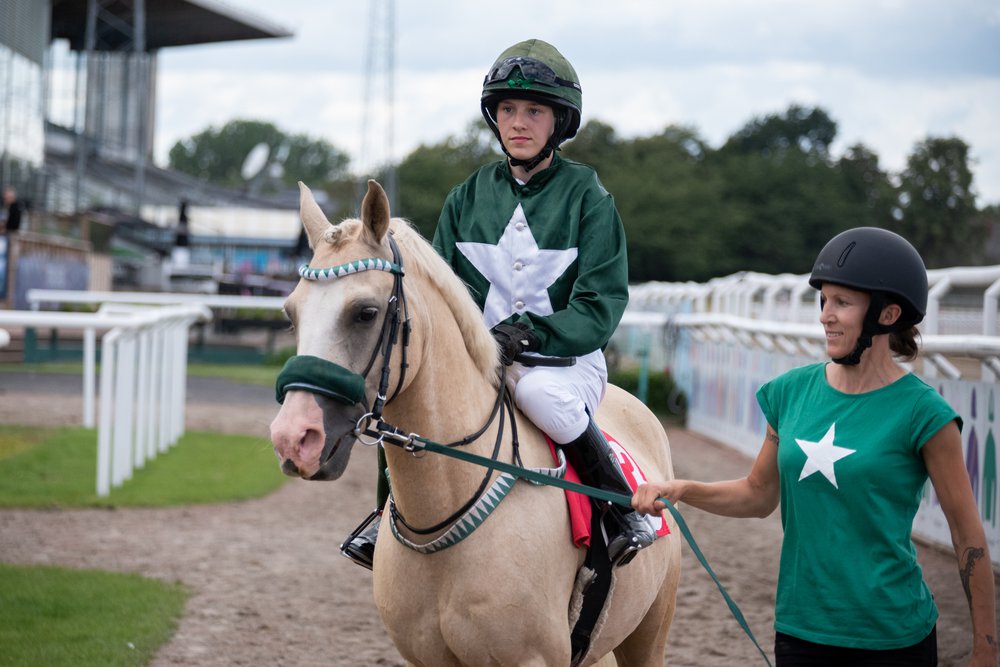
(550, 252)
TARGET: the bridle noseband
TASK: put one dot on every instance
(326, 378)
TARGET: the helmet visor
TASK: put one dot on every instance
(531, 72)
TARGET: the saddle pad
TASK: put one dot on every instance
(580, 507)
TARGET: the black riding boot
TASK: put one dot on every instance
(360, 544)
(597, 465)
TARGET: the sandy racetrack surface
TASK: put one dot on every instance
(270, 588)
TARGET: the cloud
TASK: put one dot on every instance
(889, 72)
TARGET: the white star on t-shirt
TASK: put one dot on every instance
(519, 272)
(822, 455)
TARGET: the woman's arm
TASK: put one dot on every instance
(946, 467)
(755, 495)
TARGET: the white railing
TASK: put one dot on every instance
(143, 378)
(723, 339)
(144, 365)
(38, 297)
(4, 338)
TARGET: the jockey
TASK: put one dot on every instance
(540, 244)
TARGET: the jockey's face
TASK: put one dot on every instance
(525, 126)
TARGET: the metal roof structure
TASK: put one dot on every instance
(108, 157)
(167, 23)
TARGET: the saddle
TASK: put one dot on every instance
(595, 579)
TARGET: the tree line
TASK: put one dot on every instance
(766, 200)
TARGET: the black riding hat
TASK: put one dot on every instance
(873, 260)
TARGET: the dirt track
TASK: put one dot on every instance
(269, 587)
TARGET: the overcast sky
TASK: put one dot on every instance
(889, 72)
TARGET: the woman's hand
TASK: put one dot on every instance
(646, 498)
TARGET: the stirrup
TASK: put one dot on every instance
(360, 544)
(635, 535)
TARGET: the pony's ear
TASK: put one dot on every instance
(312, 216)
(375, 211)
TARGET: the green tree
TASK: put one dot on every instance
(988, 219)
(868, 186)
(665, 194)
(217, 155)
(429, 173)
(767, 200)
(809, 131)
(937, 207)
(783, 196)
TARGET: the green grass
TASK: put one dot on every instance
(258, 374)
(58, 468)
(76, 618)
(80, 618)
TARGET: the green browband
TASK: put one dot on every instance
(320, 376)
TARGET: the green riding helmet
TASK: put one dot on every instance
(535, 70)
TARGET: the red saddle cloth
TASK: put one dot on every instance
(580, 507)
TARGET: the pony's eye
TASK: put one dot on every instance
(367, 314)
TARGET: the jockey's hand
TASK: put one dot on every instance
(513, 339)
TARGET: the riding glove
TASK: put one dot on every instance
(513, 339)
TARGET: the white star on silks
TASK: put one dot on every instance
(508, 286)
(822, 455)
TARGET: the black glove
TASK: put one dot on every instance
(513, 339)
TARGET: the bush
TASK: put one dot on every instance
(663, 396)
(279, 357)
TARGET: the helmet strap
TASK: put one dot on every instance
(530, 163)
(870, 327)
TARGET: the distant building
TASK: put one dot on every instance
(93, 158)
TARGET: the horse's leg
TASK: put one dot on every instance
(646, 645)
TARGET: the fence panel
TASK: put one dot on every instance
(724, 339)
(128, 332)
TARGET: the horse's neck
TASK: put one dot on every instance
(446, 400)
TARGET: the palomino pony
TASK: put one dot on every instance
(502, 595)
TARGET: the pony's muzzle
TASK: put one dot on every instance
(289, 468)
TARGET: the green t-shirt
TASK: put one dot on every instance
(851, 477)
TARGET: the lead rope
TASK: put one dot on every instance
(410, 443)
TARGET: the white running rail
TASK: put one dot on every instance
(721, 340)
(143, 378)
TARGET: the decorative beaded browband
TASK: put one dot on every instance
(370, 264)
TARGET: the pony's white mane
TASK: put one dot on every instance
(420, 256)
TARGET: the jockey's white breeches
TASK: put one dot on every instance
(558, 399)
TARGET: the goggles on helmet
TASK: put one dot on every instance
(531, 72)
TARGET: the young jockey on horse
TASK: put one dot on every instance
(540, 244)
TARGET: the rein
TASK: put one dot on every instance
(414, 443)
(334, 381)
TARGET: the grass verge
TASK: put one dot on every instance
(257, 374)
(75, 618)
(57, 468)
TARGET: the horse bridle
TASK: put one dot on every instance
(320, 376)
